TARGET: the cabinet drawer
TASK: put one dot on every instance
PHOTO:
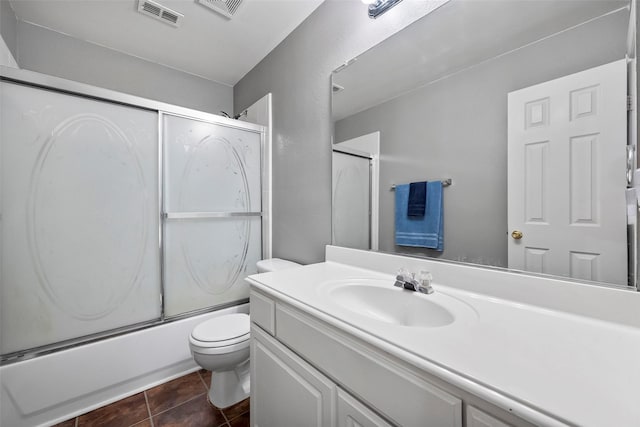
(381, 383)
(352, 413)
(477, 418)
(262, 311)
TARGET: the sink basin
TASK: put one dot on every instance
(380, 301)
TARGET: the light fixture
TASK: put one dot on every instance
(378, 7)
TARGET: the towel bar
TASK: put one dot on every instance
(445, 183)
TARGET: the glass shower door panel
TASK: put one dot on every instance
(212, 203)
(210, 168)
(79, 225)
(206, 261)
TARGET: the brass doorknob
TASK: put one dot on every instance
(516, 234)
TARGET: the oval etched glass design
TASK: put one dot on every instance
(351, 201)
(210, 169)
(216, 165)
(210, 259)
(88, 216)
(216, 263)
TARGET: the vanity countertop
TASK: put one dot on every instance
(547, 366)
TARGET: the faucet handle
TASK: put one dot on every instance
(425, 279)
(400, 277)
(425, 275)
(403, 273)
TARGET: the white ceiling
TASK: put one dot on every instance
(206, 44)
(457, 35)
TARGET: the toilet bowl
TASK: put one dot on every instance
(221, 345)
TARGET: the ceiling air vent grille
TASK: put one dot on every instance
(159, 12)
(151, 8)
(171, 17)
(226, 8)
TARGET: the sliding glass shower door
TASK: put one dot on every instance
(212, 213)
(115, 218)
(79, 222)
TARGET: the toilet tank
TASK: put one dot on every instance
(274, 264)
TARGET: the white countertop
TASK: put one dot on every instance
(565, 367)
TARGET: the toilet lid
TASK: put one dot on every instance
(222, 328)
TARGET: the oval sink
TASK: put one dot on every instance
(392, 305)
(379, 300)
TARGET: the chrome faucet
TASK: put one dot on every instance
(408, 281)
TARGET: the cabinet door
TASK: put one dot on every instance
(477, 418)
(352, 413)
(381, 382)
(285, 390)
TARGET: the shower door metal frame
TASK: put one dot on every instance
(266, 252)
(68, 87)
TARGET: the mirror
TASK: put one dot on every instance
(450, 97)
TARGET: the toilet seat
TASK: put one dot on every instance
(205, 348)
(221, 332)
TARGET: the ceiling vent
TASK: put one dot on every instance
(159, 12)
(226, 8)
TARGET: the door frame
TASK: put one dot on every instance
(374, 190)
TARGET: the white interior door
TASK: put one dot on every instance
(351, 225)
(567, 165)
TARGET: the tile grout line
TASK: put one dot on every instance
(203, 381)
(226, 423)
(231, 419)
(227, 419)
(179, 404)
(224, 416)
(146, 400)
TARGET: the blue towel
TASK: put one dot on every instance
(423, 232)
(417, 198)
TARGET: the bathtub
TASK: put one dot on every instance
(49, 389)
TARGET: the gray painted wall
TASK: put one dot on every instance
(8, 27)
(49, 52)
(457, 128)
(297, 72)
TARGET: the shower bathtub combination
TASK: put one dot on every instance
(124, 223)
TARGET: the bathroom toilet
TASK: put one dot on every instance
(221, 345)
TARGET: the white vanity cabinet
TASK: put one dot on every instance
(285, 390)
(304, 372)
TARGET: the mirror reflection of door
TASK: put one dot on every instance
(567, 176)
(351, 200)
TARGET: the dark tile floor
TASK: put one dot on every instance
(179, 403)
